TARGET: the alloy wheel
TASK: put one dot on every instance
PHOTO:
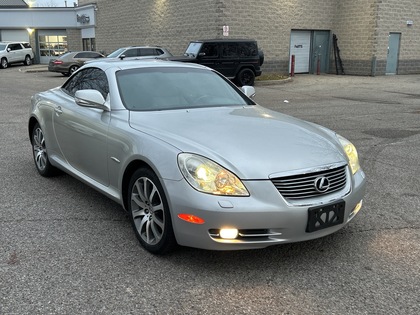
(40, 152)
(148, 211)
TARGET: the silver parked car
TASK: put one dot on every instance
(193, 159)
(135, 52)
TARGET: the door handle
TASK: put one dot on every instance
(58, 110)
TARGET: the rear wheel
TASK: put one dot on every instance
(73, 69)
(245, 77)
(149, 212)
(3, 63)
(28, 60)
(42, 163)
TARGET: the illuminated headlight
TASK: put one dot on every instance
(209, 177)
(351, 153)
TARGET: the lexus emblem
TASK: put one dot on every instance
(322, 184)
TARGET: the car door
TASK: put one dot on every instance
(209, 56)
(229, 60)
(15, 53)
(81, 132)
(131, 53)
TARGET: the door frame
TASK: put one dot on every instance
(314, 51)
(390, 62)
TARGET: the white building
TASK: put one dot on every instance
(50, 30)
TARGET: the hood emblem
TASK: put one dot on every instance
(322, 184)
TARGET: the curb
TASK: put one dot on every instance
(273, 82)
(34, 69)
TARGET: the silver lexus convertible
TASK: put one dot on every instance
(193, 159)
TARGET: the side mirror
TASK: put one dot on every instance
(8, 49)
(249, 91)
(122, 57)
(91, 98)
(201, 54)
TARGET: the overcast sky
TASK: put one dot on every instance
(53, 3)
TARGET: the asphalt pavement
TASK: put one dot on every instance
(66, 249)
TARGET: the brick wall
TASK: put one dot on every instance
(354, 25)
(362, 27)
(170, 24)
(392, 17)
(270, 22)
(74, 39)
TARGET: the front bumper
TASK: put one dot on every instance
(265, 218)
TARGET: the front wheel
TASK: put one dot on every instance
(28, 60)
(149, 212)
(42, 163)
(245, 77)
(4, 63)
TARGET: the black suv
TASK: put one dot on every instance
(237, 59)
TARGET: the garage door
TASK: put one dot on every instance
(52, 43)
(300, 46)
(14, 35)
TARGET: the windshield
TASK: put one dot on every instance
(116, 53)
(193, 49)
(2, 46)
(159, 88)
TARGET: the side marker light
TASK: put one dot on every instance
(191, 218)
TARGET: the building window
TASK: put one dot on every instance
(89, 44)
(52, 45)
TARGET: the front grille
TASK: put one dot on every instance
(302, 186)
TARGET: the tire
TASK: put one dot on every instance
(245, 77)
(72, 69)
(3, 63)
(261, 55)
(149, 212)
(39, 150)
(28, 60)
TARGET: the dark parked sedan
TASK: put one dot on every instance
(71, 61)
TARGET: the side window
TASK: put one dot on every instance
(230, 50)
(210, 50)
(92, 55)
(247, 49)
(26, 45)
(147, 51)
(91, 78)
(131, 53)
(159, 51)
(87, 54)
(15, 46)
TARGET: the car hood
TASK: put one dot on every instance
(251, 141)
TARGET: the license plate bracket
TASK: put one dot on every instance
(325, 216)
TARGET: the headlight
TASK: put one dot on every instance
(351, 153)
(209, 177)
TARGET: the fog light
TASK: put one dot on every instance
(229, 233)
